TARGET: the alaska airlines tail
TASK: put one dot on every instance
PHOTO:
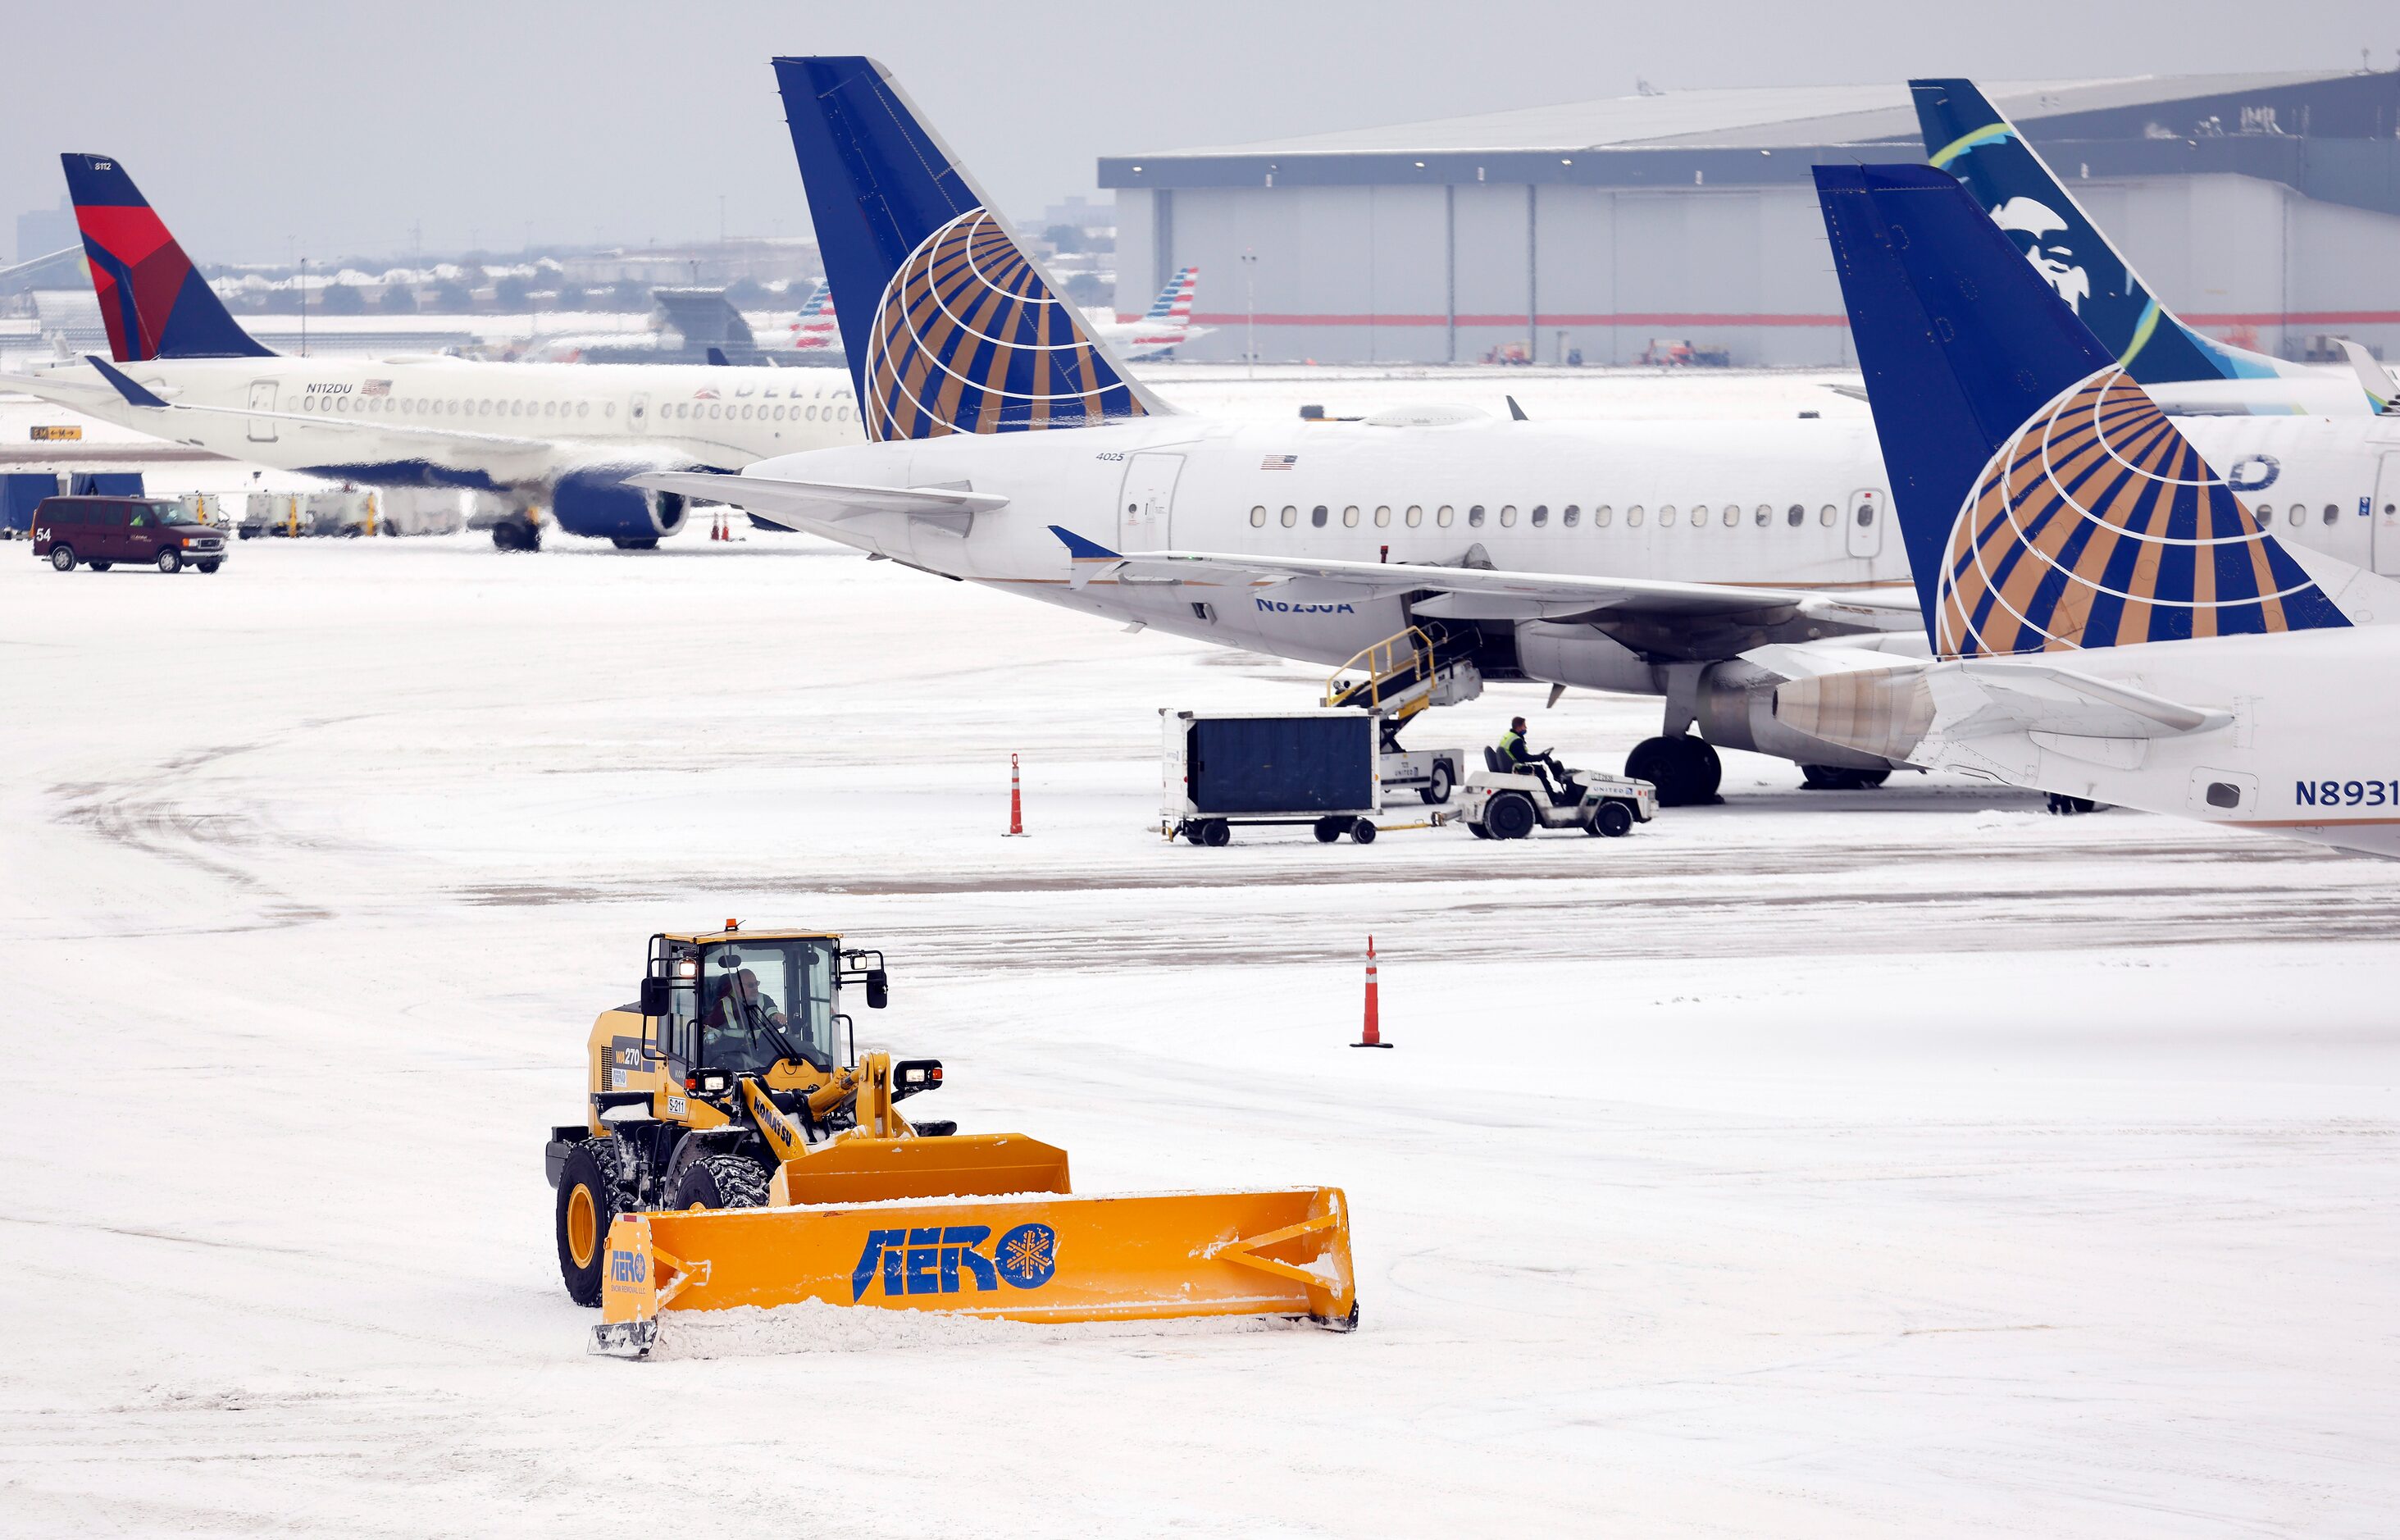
(155, 302)
(1174, 302)
(948, 324)
(1970, 138)
(2047, 505)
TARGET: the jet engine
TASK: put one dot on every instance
(596, 502)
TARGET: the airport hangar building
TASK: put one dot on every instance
(2264, 208)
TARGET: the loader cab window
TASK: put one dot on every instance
(760, 1000)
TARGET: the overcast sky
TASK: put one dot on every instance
(328, 130)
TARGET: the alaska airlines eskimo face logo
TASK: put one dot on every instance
(2098, 524)
(968, 339)
(2055, 261)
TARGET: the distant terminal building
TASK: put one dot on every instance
(2265, 208)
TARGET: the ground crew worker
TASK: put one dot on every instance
(1519, 755)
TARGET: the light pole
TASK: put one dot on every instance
(1250, 310)
(303, 307)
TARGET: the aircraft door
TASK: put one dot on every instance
(262, 399)
(638, 412)
(2387, 517)
(1146, 501)
(1866, 525)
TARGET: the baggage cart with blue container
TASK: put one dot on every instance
(1317, 770)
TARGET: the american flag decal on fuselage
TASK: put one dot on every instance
(968, 339)
(2098, 524)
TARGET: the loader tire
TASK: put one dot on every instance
(592, 1192)
(721, 1181)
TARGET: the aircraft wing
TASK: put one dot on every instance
(1486, 594)
(824, 502)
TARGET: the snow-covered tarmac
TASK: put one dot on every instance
(1897, 1162)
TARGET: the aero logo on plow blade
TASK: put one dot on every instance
(943, 1258)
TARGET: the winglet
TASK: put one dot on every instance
(717, 357)
(1087, 559)
(2371, 377)
(1516, 412)
(132, 392)
(1082, 550)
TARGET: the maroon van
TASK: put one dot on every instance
(103, 531)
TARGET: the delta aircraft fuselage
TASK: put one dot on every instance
(1793, 504)
(440, 421)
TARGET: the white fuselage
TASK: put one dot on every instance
(325, 415)
(1772, 503)
(2312, 749)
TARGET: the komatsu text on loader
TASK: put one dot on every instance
(736, 1151)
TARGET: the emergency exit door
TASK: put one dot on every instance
(1865, 522)
(2387, 517)
(262, 399)
(1146, 501)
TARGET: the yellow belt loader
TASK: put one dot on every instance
(738, 1152)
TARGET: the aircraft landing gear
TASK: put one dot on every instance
(516, 535)
(2072, 806)
(1685, 769)
(1840, 778)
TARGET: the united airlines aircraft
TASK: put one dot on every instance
(1007, 446)
(2112, 618)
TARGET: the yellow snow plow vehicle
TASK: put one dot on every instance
(737, 1151)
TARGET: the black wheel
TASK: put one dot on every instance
(1214, 832)
(622, 544)
(1478, 831)
(170, 560)
(1436, 790)
(516, 535)
(209, 566)
(1840, 778)
(100, 566)
(2072, 806)
(1329, 830)
(720, 1182)
(1362, 832)
(1510, 815)
(1612, 820)
(1685, 769)
(63, 557)
(593, 1190)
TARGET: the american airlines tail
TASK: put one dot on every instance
(1970, 139)
(1174, 302)
(155, 303)
(2047, 505)
(948, 324)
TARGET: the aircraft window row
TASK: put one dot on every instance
(427, 406)
(1602, 515)
(2299, 515)
(682, 409)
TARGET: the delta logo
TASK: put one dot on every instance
(937, 1259)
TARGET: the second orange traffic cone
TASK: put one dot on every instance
(1374, 1036)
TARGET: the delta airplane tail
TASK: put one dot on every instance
(1970, 139)
(948, 323)
(155, 303)
(2047, 503)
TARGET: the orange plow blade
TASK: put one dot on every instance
(1019, 1257)
(852, 1169)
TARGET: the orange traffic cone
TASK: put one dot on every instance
(717, 527)
(1016, 804)
(1373, 1037)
